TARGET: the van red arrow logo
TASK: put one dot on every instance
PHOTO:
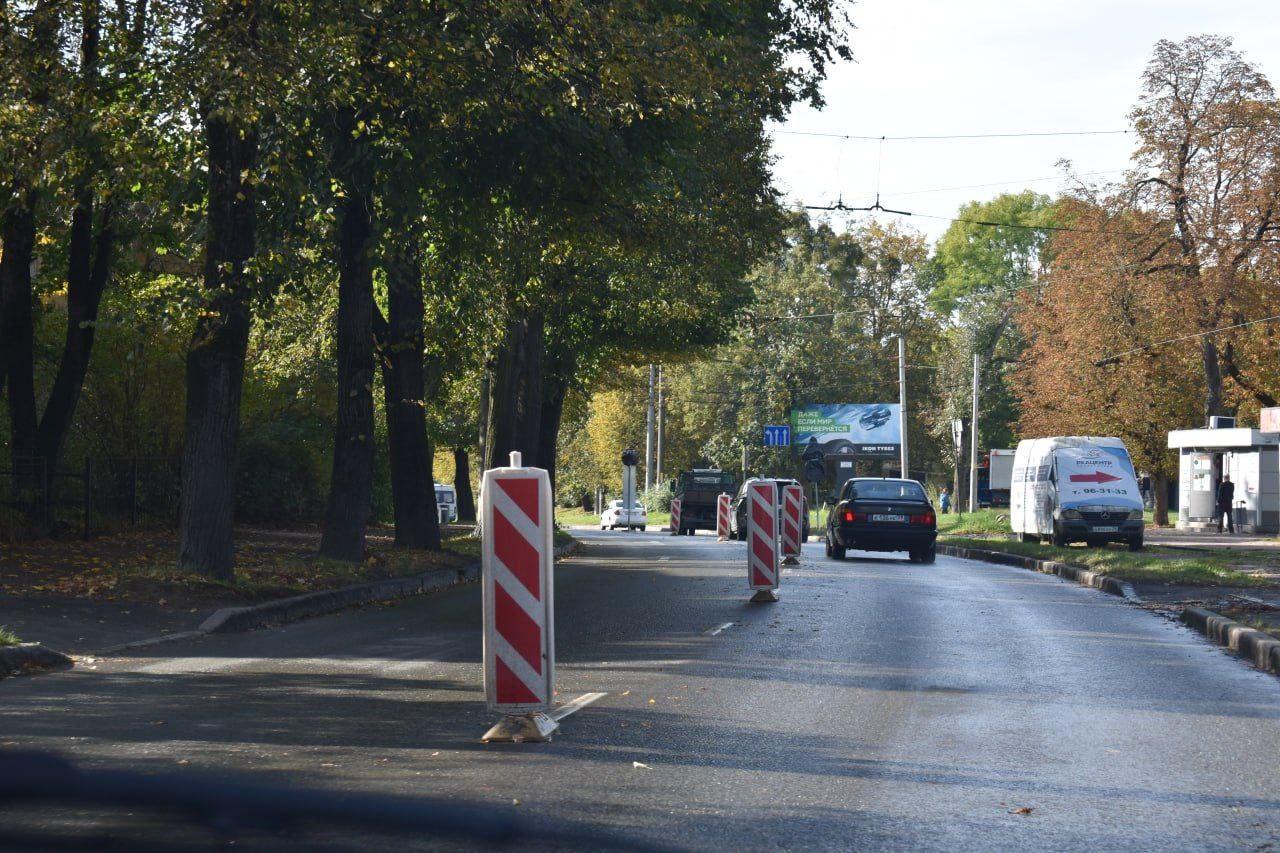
(1095, 477)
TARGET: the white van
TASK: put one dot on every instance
(1075, 489)
(446, 503)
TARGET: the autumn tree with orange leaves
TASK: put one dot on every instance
(1089, 367)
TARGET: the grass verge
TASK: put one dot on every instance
(1154, 564)
(984, 521)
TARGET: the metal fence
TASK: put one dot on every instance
(107, 495)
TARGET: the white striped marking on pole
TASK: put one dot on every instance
(792, 501)
(722, 516)
(675, 515)
(517, 559)
(762, 535)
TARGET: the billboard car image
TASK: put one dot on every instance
(869, 429)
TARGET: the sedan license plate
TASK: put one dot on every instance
(882, 517)
(1110, 528)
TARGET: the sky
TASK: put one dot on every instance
(949, 67)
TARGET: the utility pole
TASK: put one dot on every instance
(973, 443)
(902, 401)
(649, 480)
(662, 423)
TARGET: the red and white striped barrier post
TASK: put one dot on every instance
(762, 540)
(519, 624)
(722, 517)
(792, 524)
(675, 517)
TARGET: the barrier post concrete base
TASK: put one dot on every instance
(764, 596)
(527, 728)
(790, 561)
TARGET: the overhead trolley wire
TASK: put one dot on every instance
(1114, 358)
(1013, 135)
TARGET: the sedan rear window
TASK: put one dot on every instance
(887, 490)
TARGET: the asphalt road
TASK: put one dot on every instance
(879, 704)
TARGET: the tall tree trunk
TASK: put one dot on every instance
(529, 401)
(501, 436)
(515, 393)
(1160, 486)
(17, 328)
(88, 268)
(351, 486)
(1212, 377)
(412, 455)
(462, 485)
(554, 390)
(215, 361)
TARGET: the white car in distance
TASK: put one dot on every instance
(615, 515)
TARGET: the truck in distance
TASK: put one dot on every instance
(698, 490)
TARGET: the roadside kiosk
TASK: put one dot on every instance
(1250, 457)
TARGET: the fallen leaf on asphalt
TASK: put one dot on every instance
(653, 701)
(640, 766)
(626, 693)
(515, 802)
(1024, 810)
(435, 753)
(183, 761)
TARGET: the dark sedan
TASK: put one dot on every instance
(880, 514)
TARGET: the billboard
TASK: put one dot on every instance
(868, 429)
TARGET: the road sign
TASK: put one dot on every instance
(675, 516)
(792, 524)
(957, 433)
(517, 557)
(722, 516)
(762, 539)
(777, 436)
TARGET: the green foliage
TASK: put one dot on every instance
(281, 473)
(604, 164)
(979, 272)
(8, 638)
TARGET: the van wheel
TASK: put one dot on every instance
(1135, 543)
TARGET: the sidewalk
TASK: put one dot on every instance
(1175, 538)
(82, 597)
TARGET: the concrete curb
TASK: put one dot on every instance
(295, 608)
(1066, 571)
(29, 658)
(1262, 650)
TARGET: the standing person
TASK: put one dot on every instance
(944, 500)
(1226, 494)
